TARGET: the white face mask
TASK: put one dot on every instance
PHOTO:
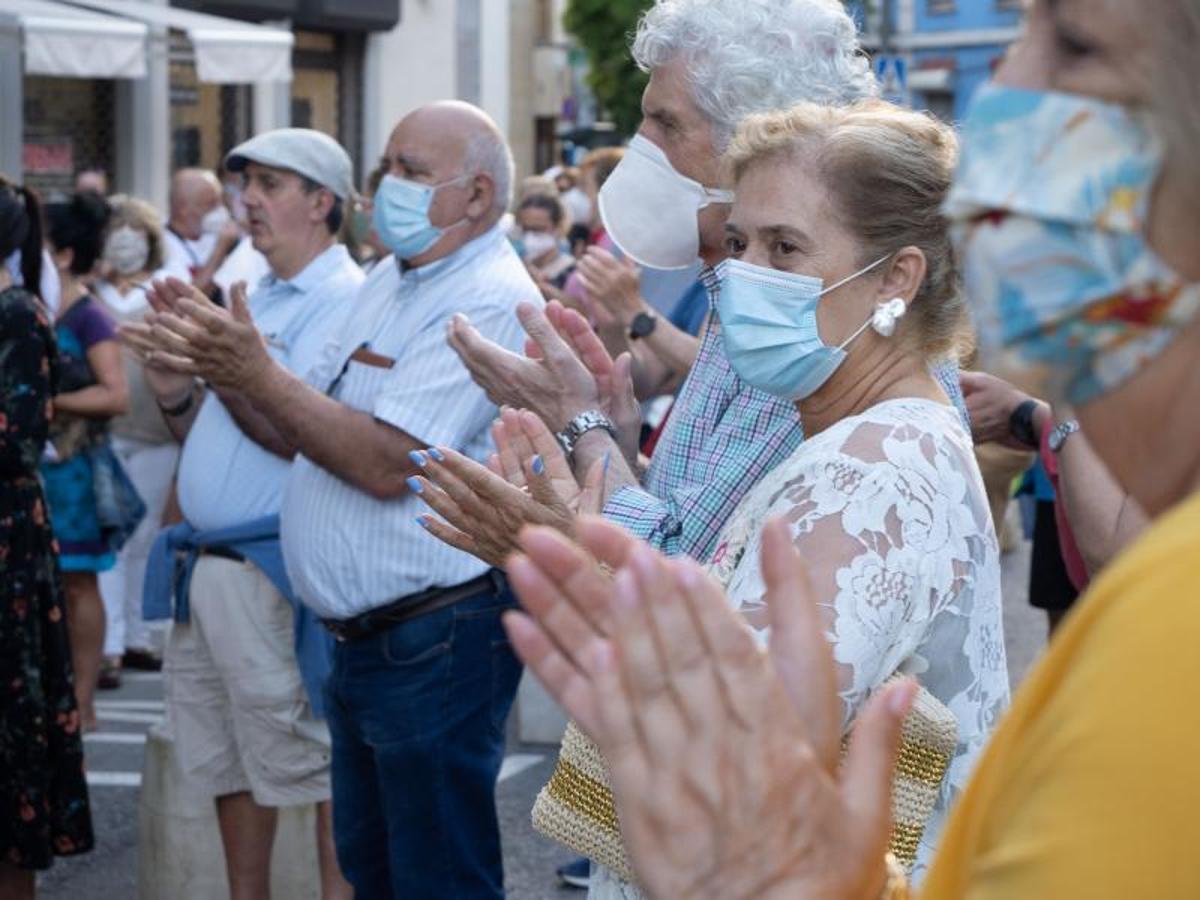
(214, 220)
(537, 244)
(649, 209)
(126, 249)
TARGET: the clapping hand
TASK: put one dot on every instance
(723, 757)
(528, 481)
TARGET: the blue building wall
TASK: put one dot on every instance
(972, 63)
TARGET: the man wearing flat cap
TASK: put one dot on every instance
(245, 662)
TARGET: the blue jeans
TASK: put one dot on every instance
(417, 718)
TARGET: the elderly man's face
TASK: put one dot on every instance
(431, 156)
(672, 121)
(281, 214)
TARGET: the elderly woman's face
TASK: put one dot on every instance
(1145, 431)
(782, 220)
(1089, 47)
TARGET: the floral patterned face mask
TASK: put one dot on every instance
(1048, 212)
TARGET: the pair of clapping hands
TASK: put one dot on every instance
(185, 335)
(529, 481)
(724, 758)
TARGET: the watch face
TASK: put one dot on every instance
(642, 325)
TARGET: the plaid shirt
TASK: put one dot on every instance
(723, 437)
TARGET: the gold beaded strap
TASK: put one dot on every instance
(576, 806)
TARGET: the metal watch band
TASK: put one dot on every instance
(580, 425)
(1059, 435)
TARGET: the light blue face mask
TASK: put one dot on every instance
(401, 215)
(769, 325)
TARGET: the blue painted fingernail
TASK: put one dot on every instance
(422, 521)
(414, 484)
(436, 453)
(417, 457)
(537, 465)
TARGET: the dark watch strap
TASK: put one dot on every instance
(183, 406)
(1020, 424)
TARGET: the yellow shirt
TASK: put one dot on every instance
(1090, 787)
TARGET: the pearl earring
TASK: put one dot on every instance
(886, 314)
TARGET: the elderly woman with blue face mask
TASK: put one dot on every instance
(1075, 210)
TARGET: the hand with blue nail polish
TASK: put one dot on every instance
(417, 457)
(414, 484)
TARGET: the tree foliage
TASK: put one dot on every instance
(604, 29)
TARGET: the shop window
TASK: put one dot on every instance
(69, 127)
(207, 120)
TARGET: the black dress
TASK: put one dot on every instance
(43, 792)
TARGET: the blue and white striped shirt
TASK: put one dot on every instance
(347, 552)
(225, 479)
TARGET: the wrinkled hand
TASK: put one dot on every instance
(484, 507)
(194, 336)
(723, 758)
(614, 379)
(611, 284)
(990, 404)
(556, 385)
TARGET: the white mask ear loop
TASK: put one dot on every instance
(833, 287)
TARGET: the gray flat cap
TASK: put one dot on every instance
(301, 150)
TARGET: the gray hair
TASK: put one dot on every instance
(487, 153)
(751, 56)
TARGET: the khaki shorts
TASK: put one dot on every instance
(239, 714)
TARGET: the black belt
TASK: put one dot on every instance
(221, 553)
(411, 607)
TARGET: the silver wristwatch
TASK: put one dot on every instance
(1059, 435)
(581, 425)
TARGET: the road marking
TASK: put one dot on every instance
(114, 779)
(115, 737)
(517, 763)
(142, 718)
(127, 675)
(151, 705)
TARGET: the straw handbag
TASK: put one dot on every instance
(576, 806)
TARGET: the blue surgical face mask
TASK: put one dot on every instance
(769, 325)
(402, 215)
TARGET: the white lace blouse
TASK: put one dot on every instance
(889, 511)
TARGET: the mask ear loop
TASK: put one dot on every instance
(878, 307)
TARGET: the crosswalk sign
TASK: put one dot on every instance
(892, 73)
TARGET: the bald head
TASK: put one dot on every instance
(193, 193)
(467, 139)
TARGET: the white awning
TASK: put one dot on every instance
(227, 51)
(75, 43)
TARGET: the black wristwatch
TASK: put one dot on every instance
(643, 325)
(1020, 424)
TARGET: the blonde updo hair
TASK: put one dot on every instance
(140, 216)
(887, 170)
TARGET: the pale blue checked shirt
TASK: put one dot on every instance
(225, 478)
(722, 438)
(347, 552)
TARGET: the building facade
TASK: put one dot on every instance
(140, 88)
(937, 52)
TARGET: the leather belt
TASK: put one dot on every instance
(221, 553)
(413, 606)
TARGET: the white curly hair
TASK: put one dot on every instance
(751, 56)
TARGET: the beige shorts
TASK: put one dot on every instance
(239, 714)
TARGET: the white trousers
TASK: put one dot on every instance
(151, 467)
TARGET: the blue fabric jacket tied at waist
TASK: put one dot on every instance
(169, 577)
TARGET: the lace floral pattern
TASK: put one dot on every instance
(889, 511)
